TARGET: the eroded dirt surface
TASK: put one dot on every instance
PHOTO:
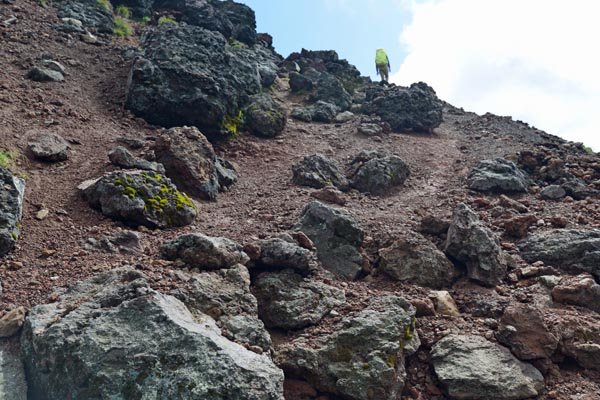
(87, 110)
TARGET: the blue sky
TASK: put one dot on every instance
(534, 60)
(354, 28)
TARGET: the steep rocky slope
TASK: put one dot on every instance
(359, 294)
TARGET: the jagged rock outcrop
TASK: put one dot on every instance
(190, 162)
(196, 250)
(287, 300)
(121, 157)
(231, 19)
(337, 236)
(12, 190)
(139, 198)
(414, 108)
(471, 243)
(498, 175)
(192, 76)
(264, 117)
(571, 249)
(363, 358)
(412, 258)
(377, 172)
(137, 342)
(225, 296)
(318, 171)
(471, 367)
(312, 64)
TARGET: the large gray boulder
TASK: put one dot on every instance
(412, 258)
(377, 172)
(337, 236)
(139, 198)
(287, 300)
(12, 190)
(471, 243)
(471, 367)
(363, 356)
(121, 339)
(231, 19)
(190, 161)
(570, 249)
(196, 250)
(49, 147)
(225, 296)
(318, 171)
(192, 76)
(498, 175)
(414, 108)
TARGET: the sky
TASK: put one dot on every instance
(535, 60)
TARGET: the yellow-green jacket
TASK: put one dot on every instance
(381, 58)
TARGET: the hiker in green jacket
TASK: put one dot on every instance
(382, 64)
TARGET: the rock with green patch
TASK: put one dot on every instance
(139, 198)
(12, 190)
(287, 300)
(95, 15)
(116, 338)
(362, 357)
(190, 161)
(188, 75)
(264, 117)
(196, 250)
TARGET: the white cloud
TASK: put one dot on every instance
(536, 60)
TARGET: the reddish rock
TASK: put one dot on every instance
(523, 330)
(519, 225)
(580, 290)
(330, 194)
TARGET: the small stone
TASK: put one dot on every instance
(42, 214)
(12, 322)
(444, 303)
(39, 74)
